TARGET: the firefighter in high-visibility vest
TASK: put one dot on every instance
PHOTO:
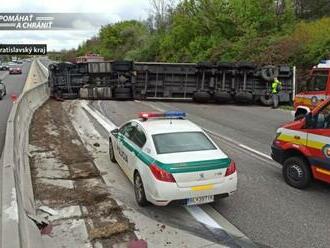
(276, 88)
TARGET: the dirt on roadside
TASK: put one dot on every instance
(64, 175)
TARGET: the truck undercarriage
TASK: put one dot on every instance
(201, 82)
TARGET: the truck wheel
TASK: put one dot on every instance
(140, 195)
(266, 99)
(244, 98)
(222, 97)
(296, 172)
(268, 73)
(111, 152)
(202, 97)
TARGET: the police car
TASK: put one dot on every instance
(171, 160)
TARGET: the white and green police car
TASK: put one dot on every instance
(170, 159)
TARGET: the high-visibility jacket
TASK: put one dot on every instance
(276, 86)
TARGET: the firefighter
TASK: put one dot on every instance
(276, 88)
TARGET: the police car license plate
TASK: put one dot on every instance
(200, 200)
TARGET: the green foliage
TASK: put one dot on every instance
(305, 46)
(264, 31)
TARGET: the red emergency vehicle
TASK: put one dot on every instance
(303, 147)
(317, 89)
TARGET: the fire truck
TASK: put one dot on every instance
(303, 147)
(316, 90)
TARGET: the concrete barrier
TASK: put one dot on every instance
(43, 69)
(18, 229)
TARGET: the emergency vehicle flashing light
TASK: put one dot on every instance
(169, 114)
(323, 64)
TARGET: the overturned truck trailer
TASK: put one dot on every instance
(201, 82)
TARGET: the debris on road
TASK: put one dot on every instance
(109, 230)
(69, 190)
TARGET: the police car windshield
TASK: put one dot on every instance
(182, 142)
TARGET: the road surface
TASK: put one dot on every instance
(14, 84)
(268, 211)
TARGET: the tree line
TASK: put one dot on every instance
(262, 31)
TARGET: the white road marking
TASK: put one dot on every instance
(101, 119)
(153, 106)
(255, 151)
(201, 216)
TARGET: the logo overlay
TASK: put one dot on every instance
(23, 49)
(51, 21)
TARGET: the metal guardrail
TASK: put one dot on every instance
(17, 229)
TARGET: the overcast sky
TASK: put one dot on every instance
(109, 10)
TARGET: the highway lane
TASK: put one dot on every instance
(267, 210)
(14, 85)
(254, 126)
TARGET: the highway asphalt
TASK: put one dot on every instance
(14, 84)
(268, 211)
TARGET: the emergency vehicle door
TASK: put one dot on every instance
(298, 137)
(318, 136)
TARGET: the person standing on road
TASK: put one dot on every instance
(276, 88)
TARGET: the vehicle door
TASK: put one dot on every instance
(138, 140)
(317, 88)
(318, 140)
(122, 145)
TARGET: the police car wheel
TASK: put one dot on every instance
(111, 151)
(296, 172)
(140, 195)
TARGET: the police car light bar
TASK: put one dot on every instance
(170, 114)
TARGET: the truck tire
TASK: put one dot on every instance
(268, 73)
(222, 97)
(296, 172)
(244, 98)
(266, 99)
(202, 97)
(123, 93)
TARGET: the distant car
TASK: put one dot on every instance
(15, 70)
(3, 90)
(4, 67)
(19, 62)
(170, 159)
